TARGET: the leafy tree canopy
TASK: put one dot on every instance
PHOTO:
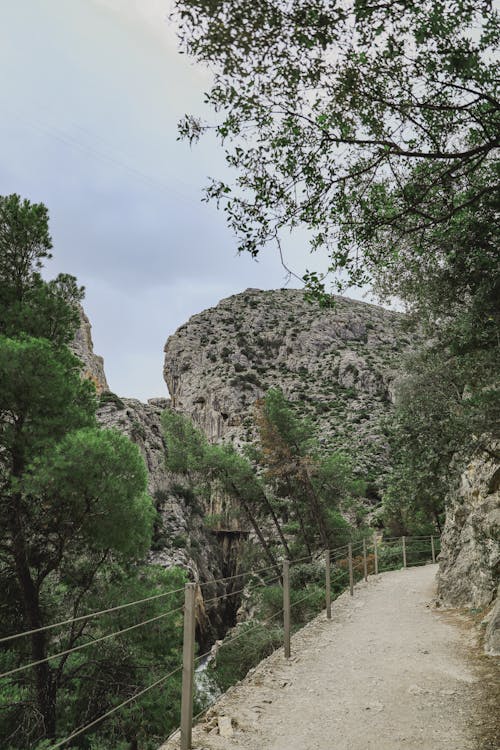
(28, 303)
(374, 125)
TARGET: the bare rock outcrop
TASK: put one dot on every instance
(83, 347)
(469, 567)
(338, 365)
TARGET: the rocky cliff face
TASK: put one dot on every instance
(180, 537)
(337, 365)
(83, 347)
(469, 568)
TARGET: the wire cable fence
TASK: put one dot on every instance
(283, 604)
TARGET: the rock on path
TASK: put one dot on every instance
(387, 673)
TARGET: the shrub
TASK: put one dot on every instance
(305, 573)
(138, 432)
(180, 541)
(390, 558)
(305, 602)
(107, 397)
(235, 659)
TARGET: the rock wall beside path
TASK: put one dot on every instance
(469, 562)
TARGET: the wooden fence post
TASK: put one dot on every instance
(403, 539)
(365, 562)
(328, 586)
(188, 667)
(433, 550)
(351, 576)
(286, 607)
(375, 552)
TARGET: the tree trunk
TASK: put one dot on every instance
(45, 690)
(296, 506)
(438, 523)
(316, 508)
(256, 528)
(44, 686)
(276, 522)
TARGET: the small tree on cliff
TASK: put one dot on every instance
(315, 484)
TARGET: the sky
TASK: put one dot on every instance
(91, 94)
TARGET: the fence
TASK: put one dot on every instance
(343, 567)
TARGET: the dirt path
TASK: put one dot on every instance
(387, 673)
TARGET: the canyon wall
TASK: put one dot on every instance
(469, 567)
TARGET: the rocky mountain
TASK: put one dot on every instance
(337, 365)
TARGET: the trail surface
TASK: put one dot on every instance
(387, 673)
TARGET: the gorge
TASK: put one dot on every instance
(339, 367)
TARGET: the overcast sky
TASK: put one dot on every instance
(91, 94)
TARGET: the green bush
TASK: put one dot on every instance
(305, 573)
(234, 659)
(305, 603)
(180, 541)
(107, 397)
(390, 558)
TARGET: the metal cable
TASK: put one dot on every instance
(301, 559)
(113, 710)
(202, 656)
(240, 591)
(238, 575)
(89, 643)
(88, 616)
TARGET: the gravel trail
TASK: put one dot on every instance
(389, 672)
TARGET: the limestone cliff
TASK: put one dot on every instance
(469, 568)
(83, 347)
(337, 365)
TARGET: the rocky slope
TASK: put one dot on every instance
(337, 365)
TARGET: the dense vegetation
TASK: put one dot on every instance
(284, 480)
(376, 127)
(75, 523)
